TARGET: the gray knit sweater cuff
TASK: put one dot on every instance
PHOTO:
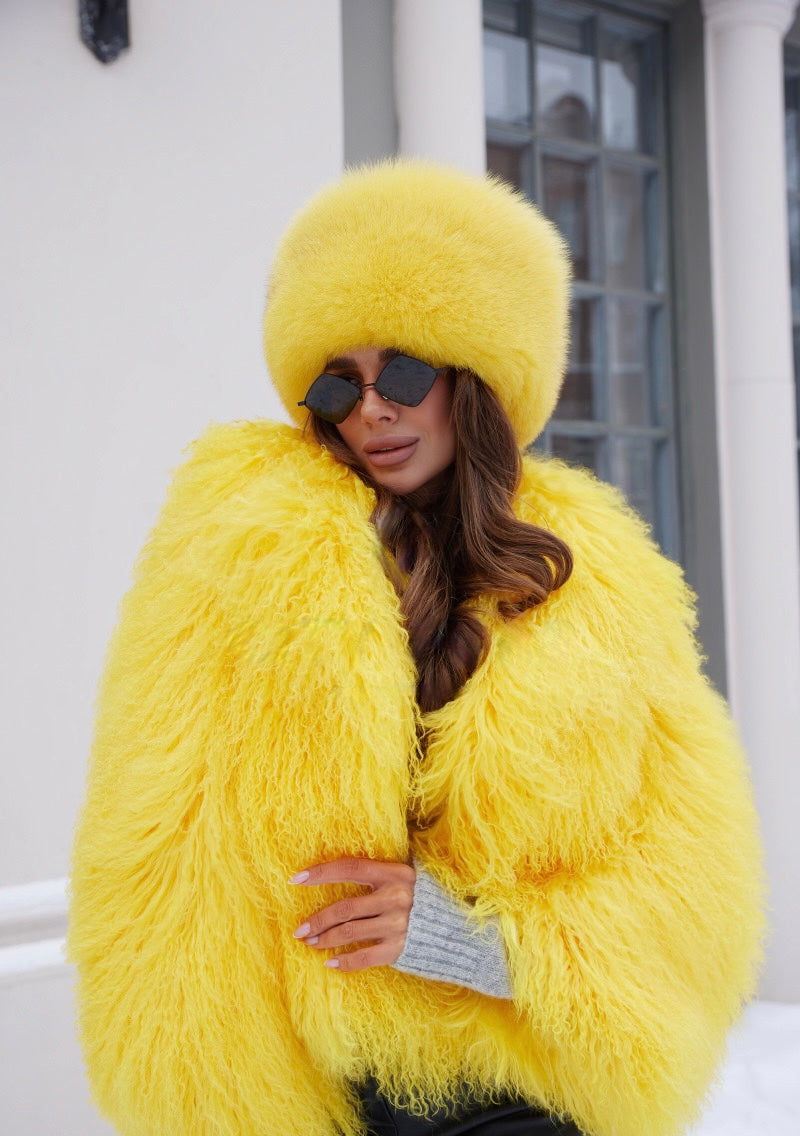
(445, 944)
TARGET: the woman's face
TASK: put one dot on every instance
(401, 447)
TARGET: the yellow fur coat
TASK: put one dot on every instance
(257, 715)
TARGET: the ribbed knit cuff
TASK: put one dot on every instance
(445, 944)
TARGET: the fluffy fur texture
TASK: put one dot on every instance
(257, 716)
(454, 269)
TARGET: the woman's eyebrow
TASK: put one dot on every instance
(339, 363)
(343, 361)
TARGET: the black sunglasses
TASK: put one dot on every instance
(403, 379)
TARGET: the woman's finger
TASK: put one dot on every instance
(353, 908)
(359, 931)
(379, 954)
(354, 870)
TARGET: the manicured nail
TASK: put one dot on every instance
(313, 939)
(301, 932)
(331, 962)
(300, 878)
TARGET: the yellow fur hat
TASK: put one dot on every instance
(452, 268)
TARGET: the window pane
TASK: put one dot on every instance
(628, 114)
(569, 198)
(561, 24)
(506, 77)
(501, 15)
(565, 76)
(633, 470)
(580, 393)
(632, 228)
(587, 452)
(587, 142)
(511, 162)
(635, 335)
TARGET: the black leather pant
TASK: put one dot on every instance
(512, 1118)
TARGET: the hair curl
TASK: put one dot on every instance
(458, 540)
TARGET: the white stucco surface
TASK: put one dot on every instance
(140, 202)
(438, 73)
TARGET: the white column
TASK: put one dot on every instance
(756, 434)
(438, 66)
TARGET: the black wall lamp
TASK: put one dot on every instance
(104, 27)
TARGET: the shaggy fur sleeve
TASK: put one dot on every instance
(608, 822)
(181, 992)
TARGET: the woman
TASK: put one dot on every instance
(410, 809)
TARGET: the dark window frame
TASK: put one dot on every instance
(605, 429)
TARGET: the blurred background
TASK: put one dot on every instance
(145, 180)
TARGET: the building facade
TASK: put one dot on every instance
(143, 199)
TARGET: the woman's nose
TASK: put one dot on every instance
(374, 408)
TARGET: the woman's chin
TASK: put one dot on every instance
(427, 484)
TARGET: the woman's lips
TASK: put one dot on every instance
(393, 456)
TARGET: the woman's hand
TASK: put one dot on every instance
(380, 918)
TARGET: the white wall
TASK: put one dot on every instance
(139, 204)
(43, 1091)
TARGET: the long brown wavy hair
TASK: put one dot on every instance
(458, 540)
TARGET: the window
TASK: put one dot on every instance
(575, 108)
(792, 97)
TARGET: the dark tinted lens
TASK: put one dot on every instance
(406, 380)
(331, 397)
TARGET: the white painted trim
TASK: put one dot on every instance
(33, 921)
(777, 14)
(32, 960)
(32, 912)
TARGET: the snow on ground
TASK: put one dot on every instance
(758, 1093)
